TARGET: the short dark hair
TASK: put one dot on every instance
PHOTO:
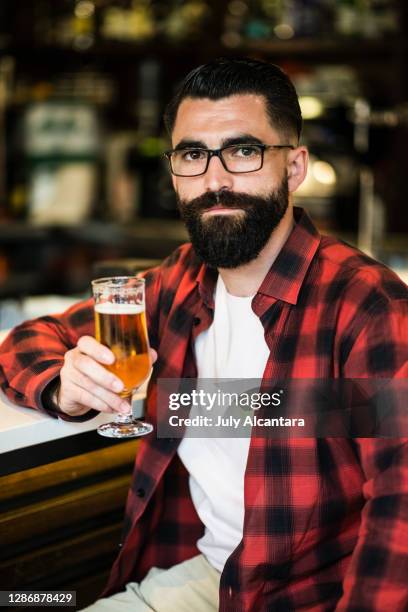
(226, 77)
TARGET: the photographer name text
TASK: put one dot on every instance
(234, 422)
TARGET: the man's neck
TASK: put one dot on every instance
(246, 280)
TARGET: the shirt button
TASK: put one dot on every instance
(140, 492)
(196, 321)
(230, 591)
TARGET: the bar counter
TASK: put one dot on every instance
(62, 494)
(22, 430)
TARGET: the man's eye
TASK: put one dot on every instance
(192, 155)
(245, 151)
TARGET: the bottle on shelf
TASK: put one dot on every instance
(268, 20)
(369, 19)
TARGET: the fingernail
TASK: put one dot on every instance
(117, 385)
(107, 357)
(125, 408)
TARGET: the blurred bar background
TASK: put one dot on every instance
(83, 84)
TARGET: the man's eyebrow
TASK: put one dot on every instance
(186, 143)
(240, 139)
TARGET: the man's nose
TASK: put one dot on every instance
(217, 177)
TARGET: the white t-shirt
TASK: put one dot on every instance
(232, 347)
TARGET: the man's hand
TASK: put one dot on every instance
(86, 384)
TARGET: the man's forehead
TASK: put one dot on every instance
(203, 118)
(238, 105)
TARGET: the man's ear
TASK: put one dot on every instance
(297, 162)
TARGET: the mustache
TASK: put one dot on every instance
(226, 199)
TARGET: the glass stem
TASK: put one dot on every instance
(125, 418)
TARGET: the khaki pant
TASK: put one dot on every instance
(191, 586)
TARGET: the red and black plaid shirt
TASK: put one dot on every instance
(326, 520)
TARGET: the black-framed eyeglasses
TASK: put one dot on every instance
(237, 158)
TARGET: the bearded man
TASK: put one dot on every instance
(252, 523)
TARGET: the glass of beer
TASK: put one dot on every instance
(120, 324)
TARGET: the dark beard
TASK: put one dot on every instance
(226, 241)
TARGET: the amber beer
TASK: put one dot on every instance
(122, 327)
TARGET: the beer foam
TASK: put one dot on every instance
(118, 309)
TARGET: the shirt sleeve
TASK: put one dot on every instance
(32, 355)
(376, 578)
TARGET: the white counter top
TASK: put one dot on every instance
(23, 427)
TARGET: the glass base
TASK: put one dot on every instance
(131, 428)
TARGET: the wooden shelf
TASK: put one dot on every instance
(341, 48)
(94, 232)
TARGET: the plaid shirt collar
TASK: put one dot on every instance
(287, 273)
